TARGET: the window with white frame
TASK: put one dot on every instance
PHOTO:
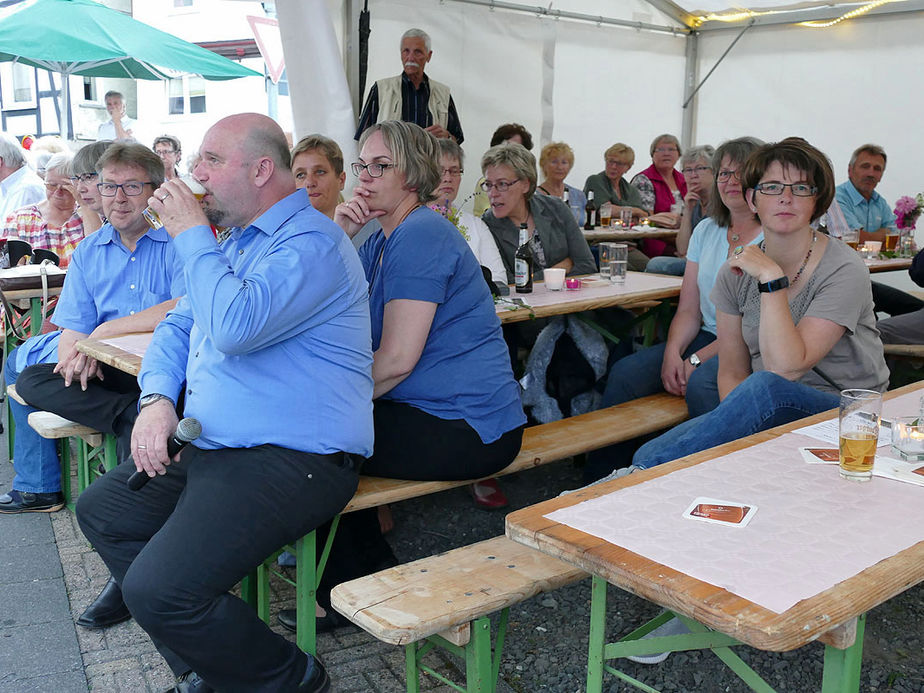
(186, 95)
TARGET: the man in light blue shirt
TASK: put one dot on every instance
(271, 350)
(123, 278)
(862, 206)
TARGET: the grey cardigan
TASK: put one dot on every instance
(558, 231)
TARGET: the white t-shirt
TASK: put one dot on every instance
(483, 246)
(107, 130)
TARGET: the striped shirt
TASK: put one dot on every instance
(27, 224)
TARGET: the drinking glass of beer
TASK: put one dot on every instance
(606, 214)
(195, 186)
(859, 432)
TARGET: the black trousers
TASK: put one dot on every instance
(886, 299)
(181, 543)
(109, 405)
(409, 444)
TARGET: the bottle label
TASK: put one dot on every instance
(521, 272)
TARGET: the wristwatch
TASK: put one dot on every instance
(773, 285)
(150, 399)
(694, 361)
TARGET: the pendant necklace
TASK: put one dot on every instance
(734, 236)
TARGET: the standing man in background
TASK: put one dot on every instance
(119, 126)
(412, 96)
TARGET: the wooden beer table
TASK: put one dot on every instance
(123, 352)
(635, 233)
(640, 287)
(888, 265)
(849, 546)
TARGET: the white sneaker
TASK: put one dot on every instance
(673, 627)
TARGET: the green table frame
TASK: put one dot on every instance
(841, 667)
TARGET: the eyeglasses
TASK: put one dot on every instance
(451, 172)
(84, 178)
(164, 152)
(614, 162)
(131, 188)
(51, 187)
(798, 189)
(690, 170)
(374, 170)
(665, 150)
(500, 186)
(725, 174)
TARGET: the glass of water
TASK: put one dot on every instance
(619, 263)
(607, 256)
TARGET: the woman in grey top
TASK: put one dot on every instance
(556, 241)
(795, 318)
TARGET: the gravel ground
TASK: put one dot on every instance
(546, 648)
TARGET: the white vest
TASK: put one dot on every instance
(390, 100)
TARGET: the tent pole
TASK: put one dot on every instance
(688, 130)
(718, 62)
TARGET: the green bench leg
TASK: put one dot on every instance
(64, 455)
(478, 665)
(842, 667)
(249, 589)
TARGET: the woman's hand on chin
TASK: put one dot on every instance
(751, 260)
(354, 213)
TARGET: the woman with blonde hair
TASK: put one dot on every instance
(556, 161)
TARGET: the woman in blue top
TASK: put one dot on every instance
(446, 403)
(684, 364)
(446, 406)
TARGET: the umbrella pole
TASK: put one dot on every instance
(65, 106)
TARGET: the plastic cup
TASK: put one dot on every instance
(554, 278)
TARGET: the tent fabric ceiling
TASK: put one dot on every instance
(700, 7)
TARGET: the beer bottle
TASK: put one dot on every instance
(591, 212)
(523, 264)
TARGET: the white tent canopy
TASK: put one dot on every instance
(625, 75)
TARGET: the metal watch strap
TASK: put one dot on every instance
(150, 399)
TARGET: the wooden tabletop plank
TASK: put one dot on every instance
(118, 352)
(634, 234)
(708, 604)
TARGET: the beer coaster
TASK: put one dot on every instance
(820, 455)
(720, 512)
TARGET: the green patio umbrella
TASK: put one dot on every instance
(82, 37)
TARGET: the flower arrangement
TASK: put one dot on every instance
(451, 213)
(907, 211)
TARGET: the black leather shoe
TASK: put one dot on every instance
(190, 682)
(323, 624)
(16, 502)
(318, 682)
(107, 609)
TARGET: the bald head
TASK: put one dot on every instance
(244, 167)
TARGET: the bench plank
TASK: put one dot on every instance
(52, 426)
(13, 395)
(546, 443)
(409, 602)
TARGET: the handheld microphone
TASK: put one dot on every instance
(186, 431)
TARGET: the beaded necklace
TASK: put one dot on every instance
(808, 255)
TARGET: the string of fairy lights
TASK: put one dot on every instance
(747, 14)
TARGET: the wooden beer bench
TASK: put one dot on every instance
(542, 444)
(93, 447)
(446, 601)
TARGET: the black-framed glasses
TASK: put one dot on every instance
(375, 170)
(132, 188)
(84, 178)
(500, 186)
(798, 189)
(725, 174)
(698, 170)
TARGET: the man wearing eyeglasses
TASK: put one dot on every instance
(412, 96)
(123, 278)
(168, 148)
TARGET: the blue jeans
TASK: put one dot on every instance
(763, 400)
(639, 375)
(665, 264)
(35, 459)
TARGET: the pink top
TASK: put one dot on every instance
(27, 224)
